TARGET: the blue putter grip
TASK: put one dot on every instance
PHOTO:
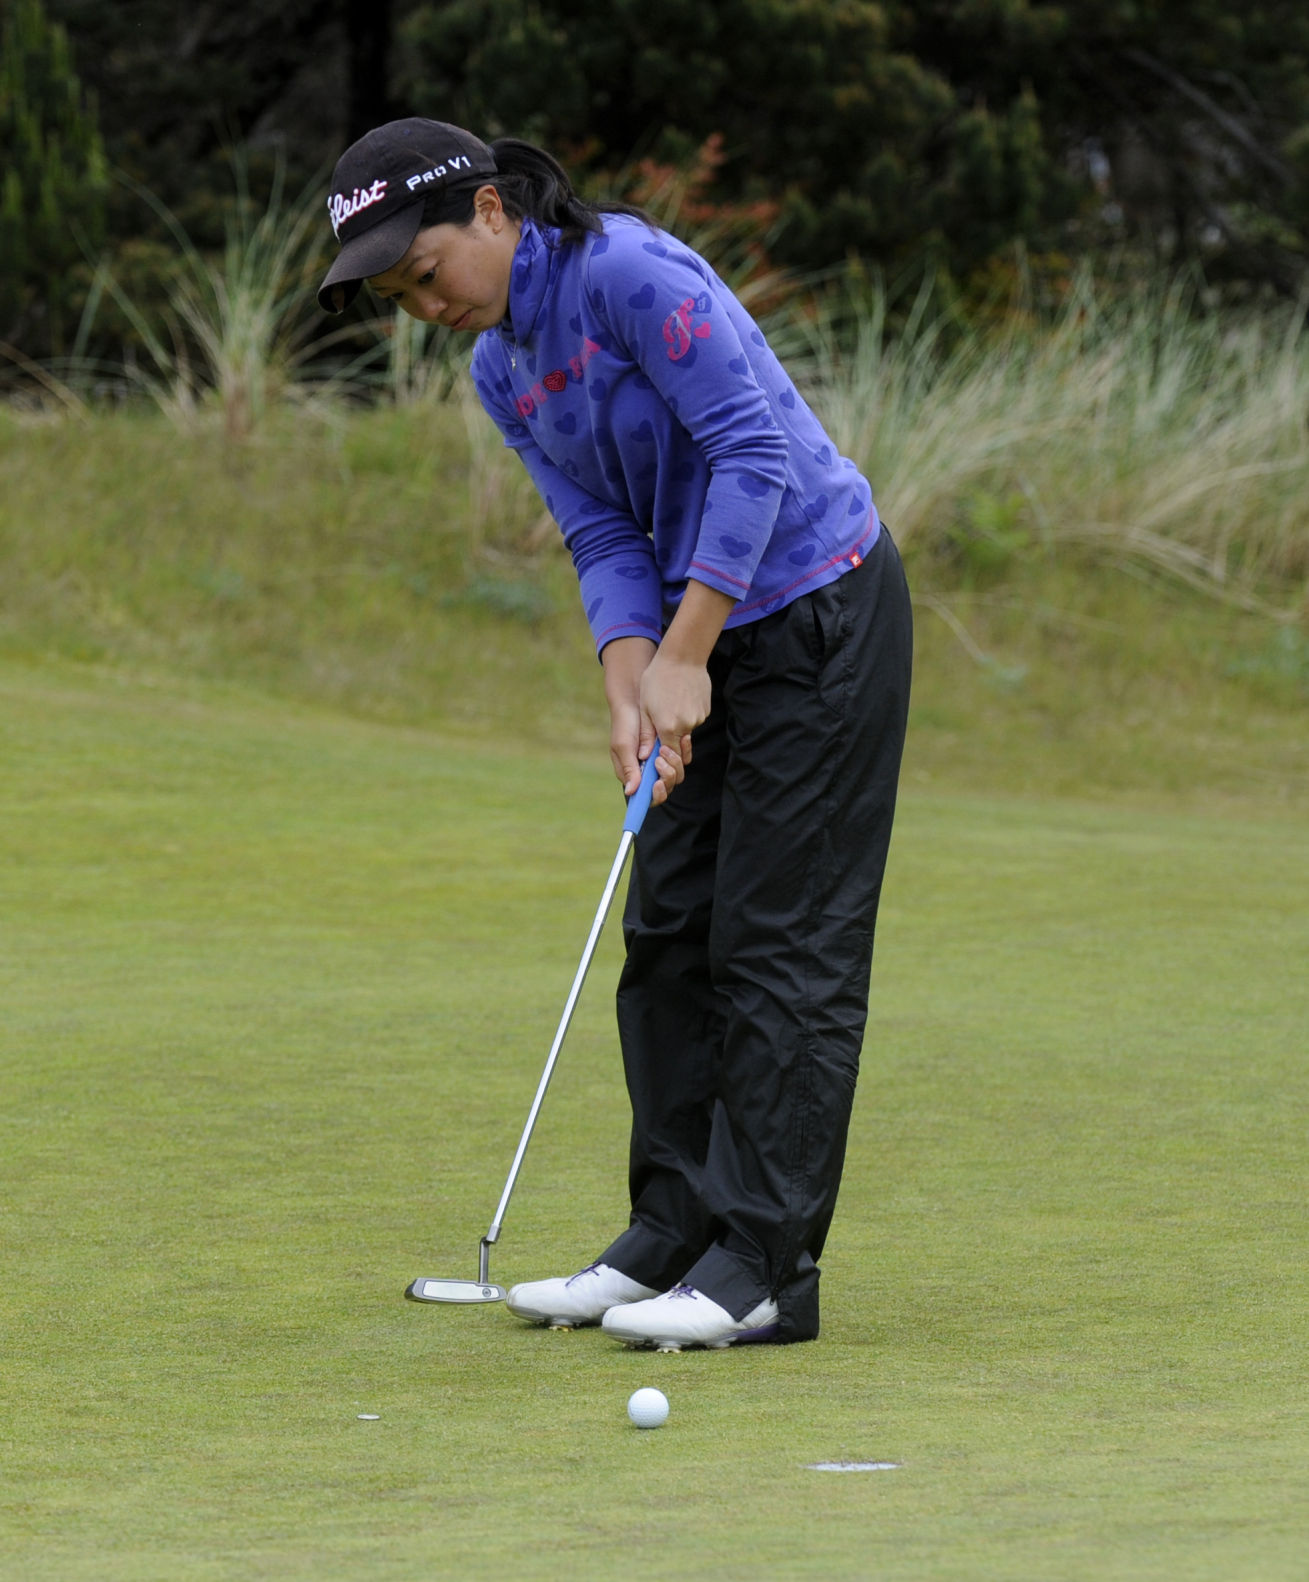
(638, 804)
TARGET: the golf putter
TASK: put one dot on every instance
(429, 1289)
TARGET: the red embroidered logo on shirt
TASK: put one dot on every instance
(678, 328)
(555, 381)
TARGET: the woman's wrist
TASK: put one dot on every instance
(697, 625)
(625, 661)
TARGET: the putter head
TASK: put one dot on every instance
(431, 1290)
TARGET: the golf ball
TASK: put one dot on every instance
(648, 1408)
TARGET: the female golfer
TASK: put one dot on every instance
(750, 611)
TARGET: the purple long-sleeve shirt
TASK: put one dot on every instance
(663, 434)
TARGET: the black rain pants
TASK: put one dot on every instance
(749, 928)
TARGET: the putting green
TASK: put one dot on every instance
(276, 988)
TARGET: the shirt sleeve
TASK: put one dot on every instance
(674, 317)
(613, 555)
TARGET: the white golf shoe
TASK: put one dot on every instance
(687, 1317)
(582, 1298)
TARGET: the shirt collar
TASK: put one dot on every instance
(535, 265)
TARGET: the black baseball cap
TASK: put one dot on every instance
(378, 189)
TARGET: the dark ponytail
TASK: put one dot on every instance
(532, 185)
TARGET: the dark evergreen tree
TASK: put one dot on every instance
(955, 126)
(819, 103)
(1190, 117)
(54, 180)
(893, 129)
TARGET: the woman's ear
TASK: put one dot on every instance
(489, 208)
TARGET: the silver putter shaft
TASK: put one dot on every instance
(427, 1289)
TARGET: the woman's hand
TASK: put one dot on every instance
(631, 734)
(674, 699)
(662, 692)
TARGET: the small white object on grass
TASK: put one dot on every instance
(648, 1408)
(369, 1417)
(853, 1466)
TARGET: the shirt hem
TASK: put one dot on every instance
(853, 556)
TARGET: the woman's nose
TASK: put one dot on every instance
(428, 307)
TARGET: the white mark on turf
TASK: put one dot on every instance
(369, 1417)
(853, 1466)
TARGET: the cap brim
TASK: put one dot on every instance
(373, 252)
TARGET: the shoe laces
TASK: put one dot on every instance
(591, 1268)
(683, 1291)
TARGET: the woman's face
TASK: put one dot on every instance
(457, 275)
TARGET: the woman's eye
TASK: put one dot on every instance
(428, 278)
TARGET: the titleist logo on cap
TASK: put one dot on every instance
(342, 208)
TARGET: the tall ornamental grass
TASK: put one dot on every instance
(1132, 425)
(240, 332)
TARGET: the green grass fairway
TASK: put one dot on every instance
(275, 991)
